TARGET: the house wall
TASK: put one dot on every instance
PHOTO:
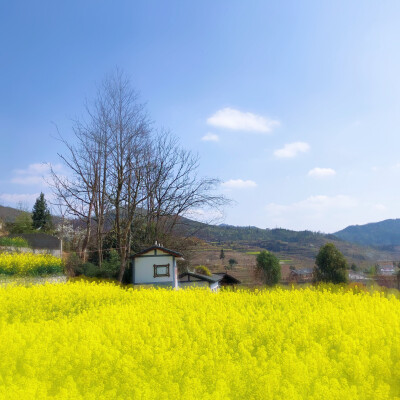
(143, 270)
(214, 286)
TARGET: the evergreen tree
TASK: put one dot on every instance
(41, 217)
(330, 265)
(222, 254)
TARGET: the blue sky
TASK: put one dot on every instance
(293, 105)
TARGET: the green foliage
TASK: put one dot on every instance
(270, 267)
(202, 269)
(232, 262)
(222, 254)
(72, 263)
(354, 267)
(109, 269)
(330, 265)
(88, 269)
(22, 223)
(13, 242)
(111, 265)
(41, 217)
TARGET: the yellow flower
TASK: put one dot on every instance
(100, 341)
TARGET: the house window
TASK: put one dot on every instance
(161, 270)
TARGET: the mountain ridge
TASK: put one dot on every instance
(379, 234)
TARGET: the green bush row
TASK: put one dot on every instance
(13, 242)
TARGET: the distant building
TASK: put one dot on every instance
(301, 275)
(386, 268)
(359, 277)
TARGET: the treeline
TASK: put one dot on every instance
(253, 235)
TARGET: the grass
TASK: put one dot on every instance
(13, 242)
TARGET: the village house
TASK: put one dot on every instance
(301, 275)
(385, 268)
(155, 265)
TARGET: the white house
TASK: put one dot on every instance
(155, 265)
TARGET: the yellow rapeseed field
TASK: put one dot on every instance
(99, 341)
(29, 264)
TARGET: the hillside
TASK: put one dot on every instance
(297, 247)
(8, 214)
(384, 234)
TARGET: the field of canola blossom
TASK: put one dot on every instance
(29, 264)
(99, 341)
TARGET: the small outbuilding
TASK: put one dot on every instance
(155, 265)
(214, 282)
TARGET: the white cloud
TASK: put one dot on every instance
(28, 180)
(332, 212)
(291, 150)
(14, 199)
(242, 121)
(35, 174)
(210, 137)
(380, 207)
(315, 203)
(239, 184)
(321, 172)
(34, 169)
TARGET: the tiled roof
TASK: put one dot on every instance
(156, 247)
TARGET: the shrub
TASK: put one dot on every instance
(202, 269)
(232, 262)
(13, 242)
(330, 265)
(269, 265)
(72, 264)
(109, 269)
(111, 266)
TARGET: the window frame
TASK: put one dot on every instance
(157, 275)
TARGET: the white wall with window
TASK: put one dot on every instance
(155, 265)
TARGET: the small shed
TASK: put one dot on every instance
(214, 282)
(155, 265)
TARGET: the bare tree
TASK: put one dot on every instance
(76, 193)
(121, 175)
(174, 186)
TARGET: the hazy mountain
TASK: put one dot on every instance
(384, 233)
